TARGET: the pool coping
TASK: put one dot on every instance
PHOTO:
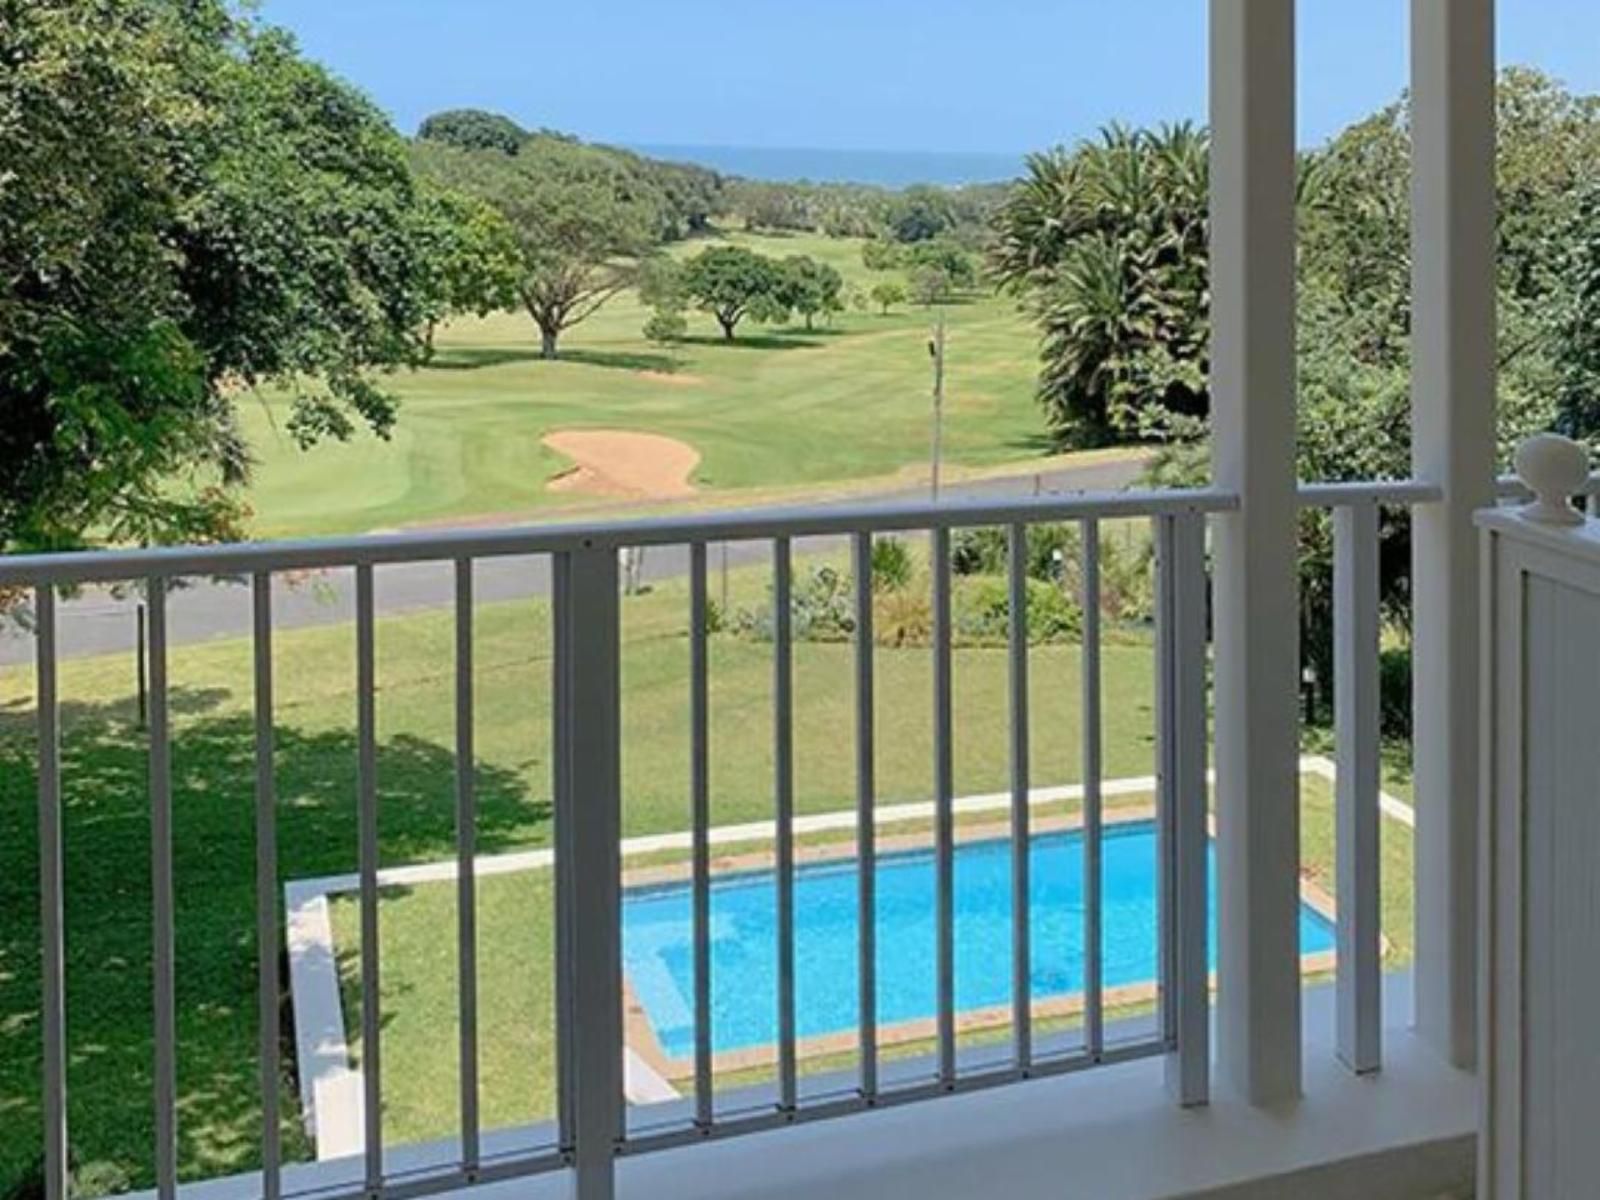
(331, 1092)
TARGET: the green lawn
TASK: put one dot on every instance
(107, 849)
(777, 408)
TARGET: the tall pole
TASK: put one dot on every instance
(936, 352)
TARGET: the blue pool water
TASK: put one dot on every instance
(657, 937)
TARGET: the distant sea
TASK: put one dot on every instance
(888, 168)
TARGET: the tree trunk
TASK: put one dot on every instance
(727, 328)
(808, 322)
(547, 342)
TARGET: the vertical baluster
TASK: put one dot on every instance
(466, 874)
(700, 819)
(367, 837)
(1093, 817)
(589, 866)
(944, 816)
(162, 901)
(783, 765)
(1356, 731)
(1021, 842)
(267, 1013)
(866, 799)
(1181, 740)
(52, 964)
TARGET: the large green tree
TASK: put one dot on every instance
(583, 220)
(809, 287)
(731, 282)
(187, 209)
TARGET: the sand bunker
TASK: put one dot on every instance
(616, 463)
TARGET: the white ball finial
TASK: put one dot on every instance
(1555, 469)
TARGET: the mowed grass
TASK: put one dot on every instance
(516, 976)
(778, 408)
(107, 816)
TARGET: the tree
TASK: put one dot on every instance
(583, 220)
(880, 255)
(666, 327)
(473, 129)
(809, 287)
(731, 282)
(474, 263)
(946, 255)
(930, 285)
(919, 213)
(887, 294)
(1106, 245)
(190, 209)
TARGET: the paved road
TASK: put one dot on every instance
(100, 622)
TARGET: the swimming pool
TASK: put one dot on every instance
(658, 947)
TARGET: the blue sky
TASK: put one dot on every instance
(1001, 75)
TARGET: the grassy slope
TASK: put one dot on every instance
(774, 408)
(107, 830)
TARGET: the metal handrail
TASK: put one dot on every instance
(77, 567)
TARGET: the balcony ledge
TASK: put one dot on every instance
(1405, 1133)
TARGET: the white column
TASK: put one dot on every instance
(1453, 415)
(1256, 634)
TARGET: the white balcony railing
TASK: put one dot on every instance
(595, 1124)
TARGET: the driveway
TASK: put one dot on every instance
(100, 622)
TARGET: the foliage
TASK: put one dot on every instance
(666, 326)
(891, 564)
(981, 612)
(919, 213)
(188, 208)
(1054, 555)
(931, 285)
(880, 255)
(822, 609)
(580, 223)
(887, 294)
(1106, 245)
(472, 254)
(473, 129)
(731, 282)
(809, 287)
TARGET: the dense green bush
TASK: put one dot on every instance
(891, 564)
(982, 612)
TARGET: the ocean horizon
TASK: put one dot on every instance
(884, 168)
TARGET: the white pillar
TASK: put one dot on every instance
(1253, 448)
(1453, 415)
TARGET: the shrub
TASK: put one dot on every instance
(891, 565)
(983, 611)
(986, 551)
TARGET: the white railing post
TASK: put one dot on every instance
(588, 862)
(1256, 635)
(1453, 414)
(1181, 798)
(1357, 855)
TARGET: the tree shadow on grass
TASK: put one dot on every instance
(621, 359)
(475, 358)
(108, 915)
(754, 341)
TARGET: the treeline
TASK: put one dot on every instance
(1105, 246)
